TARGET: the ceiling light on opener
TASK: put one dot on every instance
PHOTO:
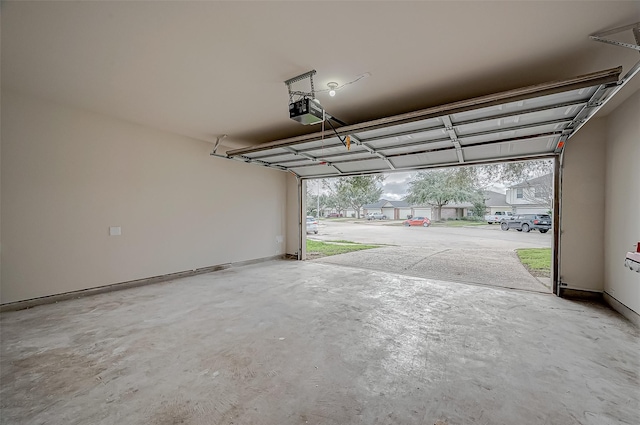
(332, 88)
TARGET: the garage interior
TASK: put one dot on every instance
(151, 186)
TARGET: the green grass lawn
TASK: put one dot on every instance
(536, 260)
(317, 249)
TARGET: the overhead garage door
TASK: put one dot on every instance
(422, 212)
(530, 122)
(389, 213)
(403, 213)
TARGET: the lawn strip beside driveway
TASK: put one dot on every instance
(319, 249)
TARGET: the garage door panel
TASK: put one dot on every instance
(423, 136)
(527, 147)
(325, 143)
(417, 148)
(417, 126)
(527, 104)
(287, 157)
(517, 124)
(371, 165)
(431, 158)
(499, 136)
(316, 170)
(345, 156)
(557, 115)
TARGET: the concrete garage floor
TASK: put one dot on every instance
(291, 342)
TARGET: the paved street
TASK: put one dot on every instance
(382, 232)
(480, 255)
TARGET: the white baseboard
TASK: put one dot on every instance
(622, 309)
(21, 305)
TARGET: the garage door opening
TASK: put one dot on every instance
(487, 225)
(527, 123)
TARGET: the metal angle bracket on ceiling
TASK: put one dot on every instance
(605, 92)
(301, 77)
(635, 28)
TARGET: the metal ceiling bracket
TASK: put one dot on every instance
(217, 145)
(635, 28)
(301, 77)
(606, 96)
(451, 130)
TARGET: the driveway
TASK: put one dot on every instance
(480, 255)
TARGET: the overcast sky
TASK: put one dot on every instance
(395, 185)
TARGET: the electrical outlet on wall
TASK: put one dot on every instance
(115, 231)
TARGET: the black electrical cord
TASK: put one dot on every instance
(331, 117)
(342, 139)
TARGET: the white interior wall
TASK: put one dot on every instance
(622, 211)
(69, 174)
(582, 239)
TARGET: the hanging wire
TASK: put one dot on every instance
(360, 77)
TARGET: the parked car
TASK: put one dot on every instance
(417, 221)
(376, 216)
(498, 216)
(332, 215)
(527, 223)
(312, 225)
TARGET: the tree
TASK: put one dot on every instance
(316, 199)
(439, 187)
(479, 206)
(358, 191)
(509, 173)
(312, 204)
(335, 200)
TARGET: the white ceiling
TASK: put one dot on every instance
(203, 69)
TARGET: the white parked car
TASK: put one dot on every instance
(312, 225)
(376, 216)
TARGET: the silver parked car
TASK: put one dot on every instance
(312, 225)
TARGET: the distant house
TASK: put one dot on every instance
(532, 196)
(394, 210)
(494, 201)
